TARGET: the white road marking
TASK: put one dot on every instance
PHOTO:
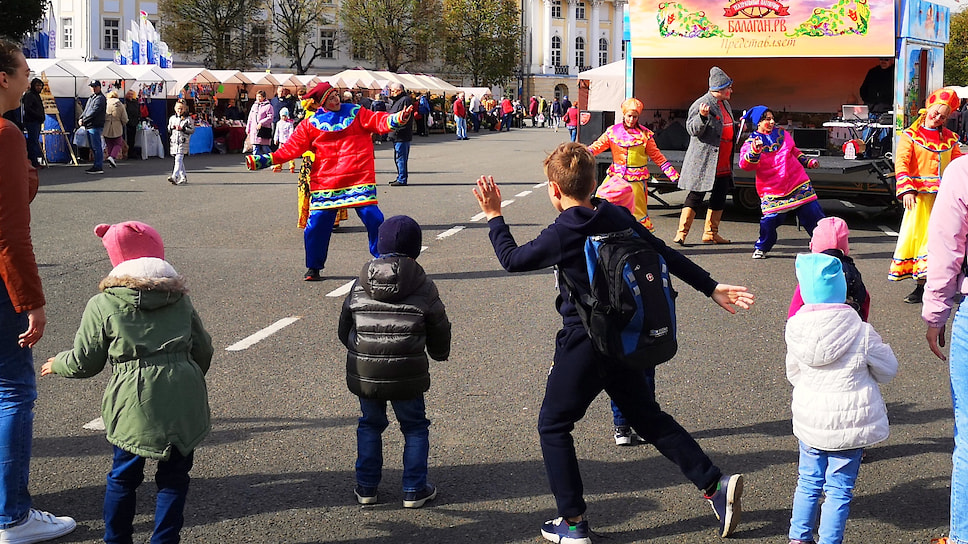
(342, 290)
(523, 193)
(450, 232)
(887, 230)
(263, 334)
(478, 217)
(423, 248)
(507, 202)
(95, 424)
(540, 185)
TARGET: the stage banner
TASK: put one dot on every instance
(762, 28)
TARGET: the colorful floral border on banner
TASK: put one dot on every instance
(762, 28)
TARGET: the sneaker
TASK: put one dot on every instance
(759, 254)
(396, 183)
(182, 180)
(111, 162)
(38, 527)
(794, 541)
(625, 436)
(416, 499)
(171, 179)
(726, 502)
(312, 274)
(365, 495)
(560, 530)
(93, 170)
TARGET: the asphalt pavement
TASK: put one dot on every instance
(278, 466)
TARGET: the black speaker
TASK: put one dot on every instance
(591, 125)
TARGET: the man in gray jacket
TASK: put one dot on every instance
(93, 121)
(708, 164)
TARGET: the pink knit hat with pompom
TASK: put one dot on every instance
(130, 240)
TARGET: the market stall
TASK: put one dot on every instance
(62, 80)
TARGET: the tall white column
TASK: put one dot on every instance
(618, 22)
(546, 38)
(593, 34)
(570, 35)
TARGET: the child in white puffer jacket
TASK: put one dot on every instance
(835, 362)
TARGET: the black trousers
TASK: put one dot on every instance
(717, 197)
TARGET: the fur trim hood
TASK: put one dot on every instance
(147, 282)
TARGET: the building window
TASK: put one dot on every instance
(580, 52)
(327, 44)
(580, 10)
(67, 32)
(259, 44)
(555, 51)
(359, 51)
(556, 9)
(112, 34)
(602, 51)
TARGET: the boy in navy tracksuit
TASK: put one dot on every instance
(579, 373)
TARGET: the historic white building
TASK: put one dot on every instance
(565, 37)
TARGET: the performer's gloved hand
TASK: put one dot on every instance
(813, 163)
(670, 171)
(258, 162)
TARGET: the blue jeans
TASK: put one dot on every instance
(831, 474)
(401, 153)
(414, 425)
(959, 399)
(120, 497)
(617, 418)
(319, 230)
(33, 142)
(18, 390)
(94, 140)
(573, 133)
(261, 149)
(461, 127)
(809, 214)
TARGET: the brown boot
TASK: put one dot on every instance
(685, 223)
(711, 235)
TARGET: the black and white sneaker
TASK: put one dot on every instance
(112, 163)
(93, 170)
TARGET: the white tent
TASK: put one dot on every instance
(231, 77)
(606, 87)
(62, 78)
(307, 80)
(262, 78)
(359, 78)
(147, 77)
(185, 76)
(479, 92)
(107, 72)
(442, 85)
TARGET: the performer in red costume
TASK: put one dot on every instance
(342, 175)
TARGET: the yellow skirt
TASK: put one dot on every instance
(911, 254)
(641, 208)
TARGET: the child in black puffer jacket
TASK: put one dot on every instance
(391, 320)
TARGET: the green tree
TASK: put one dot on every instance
(295, 22)
(20, 17)
(218, 30)
(483, 38)
(395, 33)
(956, 53)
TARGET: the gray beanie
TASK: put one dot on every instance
(718, 80)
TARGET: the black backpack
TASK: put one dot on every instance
(629, 312)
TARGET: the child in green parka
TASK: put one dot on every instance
(156, 403)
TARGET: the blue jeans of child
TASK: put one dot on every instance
(808, 214)
(414, 425)
(94, 140)
(959, 398)
(319, 230)
(18, 390)
(401, 154)
(831, 474)
(120, 497)
(579, 374)
(617, 418)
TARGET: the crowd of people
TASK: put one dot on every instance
(156, 406)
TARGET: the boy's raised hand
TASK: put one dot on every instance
(728, 296)
(488, 197)
(47, 368)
